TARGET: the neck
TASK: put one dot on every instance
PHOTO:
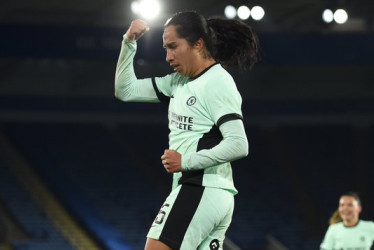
(206, 63)
(350, 223)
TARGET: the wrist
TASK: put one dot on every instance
(184, 162)
(126, 39)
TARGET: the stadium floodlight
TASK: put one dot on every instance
(147, 9)
(244, 12)
(230, 12)
(327, 16)
(135, 7)
(257, 13)
(340, 16)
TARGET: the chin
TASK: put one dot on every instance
(348, 218)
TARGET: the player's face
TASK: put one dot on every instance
(349, 209)
(179, 54)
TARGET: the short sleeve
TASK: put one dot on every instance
(328, 240)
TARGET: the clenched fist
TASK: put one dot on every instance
(171, 160)
(137, 29)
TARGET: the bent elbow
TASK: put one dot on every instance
(116, 88)
(116, 95)
(246, 152)
(122, 97)
(120, 92)
(243, 149)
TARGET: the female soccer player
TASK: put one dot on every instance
(346, 230)
(205, 122)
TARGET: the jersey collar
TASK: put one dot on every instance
(202, 72)
(355, 225)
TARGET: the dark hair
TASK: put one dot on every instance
(230, 42)
(354, 195)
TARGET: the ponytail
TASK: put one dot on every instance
(335, 218)
(230, 42)
(235, 43)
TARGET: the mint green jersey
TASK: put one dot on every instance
(359, 237)
(197, 108)
(205, 118)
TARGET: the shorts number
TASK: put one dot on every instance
(161, 215)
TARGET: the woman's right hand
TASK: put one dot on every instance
(137, 29)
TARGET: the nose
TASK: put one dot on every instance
(169, 56)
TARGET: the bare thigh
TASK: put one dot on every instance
(152, 244)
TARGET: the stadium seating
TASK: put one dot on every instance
(109, 176)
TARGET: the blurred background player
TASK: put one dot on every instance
(346, 230)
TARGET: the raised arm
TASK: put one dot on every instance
(127, 87)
